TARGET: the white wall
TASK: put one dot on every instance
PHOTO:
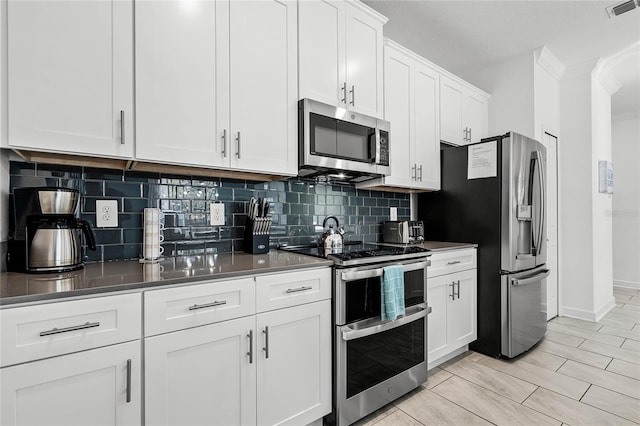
(626, 200)
(601, 203)
(510, 83)
(546, 94)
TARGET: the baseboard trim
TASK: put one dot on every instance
(628, 284)
(593, 316)
(447, 357)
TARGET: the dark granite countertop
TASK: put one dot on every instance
(436, 246)
(130, 274)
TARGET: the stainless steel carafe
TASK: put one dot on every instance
(48, 235)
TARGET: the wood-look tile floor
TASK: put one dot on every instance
(582, 373)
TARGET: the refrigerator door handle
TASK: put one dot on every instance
(530, 280)
(543, 196)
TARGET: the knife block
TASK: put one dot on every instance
(256, 241)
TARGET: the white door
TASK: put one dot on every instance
(364, 62)
(426, 128)
(294, 367)
(438, 296)
(451, 112)
(263, 84)
(70, 71)
(84, 388)
(322, 62)
(182, 90)
(551, 142)
(202, 376)
(398, 110)
(462, 315)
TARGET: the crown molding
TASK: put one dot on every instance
(602, 73)
(550, 63)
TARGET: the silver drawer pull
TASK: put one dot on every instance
(68, 329)
(250, 353)
(453, 262)
(295, 290)
(128, 380)
(266, 341)
(208, 305)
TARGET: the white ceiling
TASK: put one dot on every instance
(460, 35)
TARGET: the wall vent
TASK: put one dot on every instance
(620, 8)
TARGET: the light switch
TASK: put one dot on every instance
(393, 213)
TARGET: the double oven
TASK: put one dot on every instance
(375, 361)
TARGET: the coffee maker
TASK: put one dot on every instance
(48, 234)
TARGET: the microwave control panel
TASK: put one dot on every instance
(384, 148)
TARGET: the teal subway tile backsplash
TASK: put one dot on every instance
(298, 208)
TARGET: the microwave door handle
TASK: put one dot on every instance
(377, 154)
(350, 333)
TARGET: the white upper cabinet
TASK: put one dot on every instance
(463, 112)
(217, 84)
(411, 86)
(70, 76)
(341, 54)
(181, 92)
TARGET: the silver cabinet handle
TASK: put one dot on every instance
(122, 127)
(68, 329)
(469, 134)
(295, 290)
(414, 172)
(453, 291)
(266, 341)
(128, 380)
(353, 95)
(344, 93)
(224, 143)
(250, 353)
(536, 278)
(356, 331)
(208, 305)
(458, 293)
(238, 140)
(453, 262)
(420, 172)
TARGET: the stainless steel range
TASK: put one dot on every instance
(375, 361)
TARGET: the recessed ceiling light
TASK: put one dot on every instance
(620, 8)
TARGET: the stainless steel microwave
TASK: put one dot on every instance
(342, 144)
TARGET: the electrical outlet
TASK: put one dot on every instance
(393, 213)
(217, 214)
(106, 213)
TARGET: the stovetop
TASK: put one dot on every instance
(358, 253)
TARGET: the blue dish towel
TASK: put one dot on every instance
(392, 292)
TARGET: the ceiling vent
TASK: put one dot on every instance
(621, 8)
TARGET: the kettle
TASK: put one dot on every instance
(331, 238)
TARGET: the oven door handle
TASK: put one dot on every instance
(351, 333)
(377, 272)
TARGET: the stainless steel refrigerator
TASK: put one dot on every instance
(494, 194)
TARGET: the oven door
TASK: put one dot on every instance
(377, 362)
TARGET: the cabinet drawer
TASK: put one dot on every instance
(451, 261)
(41, 331)
(291, 289)
(197, 304)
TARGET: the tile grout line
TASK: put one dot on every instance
(464, 408)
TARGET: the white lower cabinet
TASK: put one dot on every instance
(452, 322)
(269, 366)
(95, 387)
(294, 364)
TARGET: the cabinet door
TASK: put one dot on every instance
(398, 109)
(202, 376)
(451, 128)
(462, 314)
(70, 76)
(321, 61)
(85, 388)
(473, 116)
(438, 296)
(263, 77)
(364, 62)
(427, 132)
(181, 92)
(294, 371)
